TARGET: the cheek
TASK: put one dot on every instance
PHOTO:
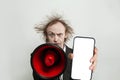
(62, 39)
(49, 39)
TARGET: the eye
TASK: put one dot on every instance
(60, 34)
(51, 34)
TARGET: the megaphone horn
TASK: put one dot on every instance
(48, 61)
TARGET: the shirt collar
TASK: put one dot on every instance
(64, 48)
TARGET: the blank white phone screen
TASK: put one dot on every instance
(83, 51)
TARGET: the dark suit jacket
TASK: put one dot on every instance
(67, 72)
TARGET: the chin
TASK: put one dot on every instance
(60, 46)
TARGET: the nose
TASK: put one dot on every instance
(55, 38)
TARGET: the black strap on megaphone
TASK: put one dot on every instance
(48, 61)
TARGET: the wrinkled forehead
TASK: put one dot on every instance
(56, 28)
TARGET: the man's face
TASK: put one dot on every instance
(56, 34)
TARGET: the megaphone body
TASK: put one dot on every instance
(48, 61)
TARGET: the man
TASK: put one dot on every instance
(57, 31)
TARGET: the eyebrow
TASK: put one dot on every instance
(53, 32)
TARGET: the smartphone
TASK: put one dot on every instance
(83, 48)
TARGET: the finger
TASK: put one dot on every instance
(70, 55)
(93, 66)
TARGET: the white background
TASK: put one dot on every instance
(97, 18)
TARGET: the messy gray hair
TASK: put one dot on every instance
(53, 20)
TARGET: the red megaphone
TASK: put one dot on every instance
(48, 61)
